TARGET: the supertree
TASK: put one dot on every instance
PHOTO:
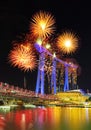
(42, 26)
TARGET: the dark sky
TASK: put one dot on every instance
(72, 15)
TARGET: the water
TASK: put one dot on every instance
(49, 118)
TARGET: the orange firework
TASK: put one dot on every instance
(42, 24)
(67, 42)
(23, 57)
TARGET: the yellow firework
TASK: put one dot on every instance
(23, 57)
(67, 42)
(42, 24)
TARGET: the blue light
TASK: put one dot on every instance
(53, 76)
(66, 84)
(40, 77)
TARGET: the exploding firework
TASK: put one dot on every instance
(42, 24)
(67, 42)
(23, 57)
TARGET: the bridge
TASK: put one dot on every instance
(12, 94)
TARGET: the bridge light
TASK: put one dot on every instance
(54, 55)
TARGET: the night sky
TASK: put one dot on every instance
(15, 16)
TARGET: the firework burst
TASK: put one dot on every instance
(67, 42)
(42, 24)
(23, 57)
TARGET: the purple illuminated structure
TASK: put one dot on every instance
(40, 77)
(66, 83)
(53, 76)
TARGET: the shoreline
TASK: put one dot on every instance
(7, 108)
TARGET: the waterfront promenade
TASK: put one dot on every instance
(10, 95)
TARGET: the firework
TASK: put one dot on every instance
(42, 24)
(23, 57)
(67, 42)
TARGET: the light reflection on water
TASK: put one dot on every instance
(50, 118)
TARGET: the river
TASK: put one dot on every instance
(47, 118)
